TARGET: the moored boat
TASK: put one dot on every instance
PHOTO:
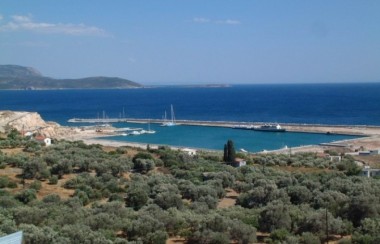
(269, 127)
(135, 133)
(172, 121)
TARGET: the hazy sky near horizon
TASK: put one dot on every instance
(194, 41)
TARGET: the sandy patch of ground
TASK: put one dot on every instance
(175, 240)
(12, 151)
(127, 175)
(229, 200)
(47, 189)
(302, 169)
(12, 174)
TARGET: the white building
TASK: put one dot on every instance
(368, 172)
(47, 142)
(190, 152)
(335, 158)
(239, 162)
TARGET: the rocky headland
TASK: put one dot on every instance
(15, 77)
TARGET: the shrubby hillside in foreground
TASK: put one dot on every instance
(76, 193)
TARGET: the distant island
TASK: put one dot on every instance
(15, 77)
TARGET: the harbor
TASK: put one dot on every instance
(360, 130)
(210, 135)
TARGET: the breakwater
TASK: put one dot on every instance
(362, 130)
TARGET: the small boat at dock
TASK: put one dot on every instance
(265, 127)
(269, 127)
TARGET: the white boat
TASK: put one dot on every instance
(269, 127)
(105, 125)
(172, 121)
(135, 133)
(149, 131)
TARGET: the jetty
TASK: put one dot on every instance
(356, 130)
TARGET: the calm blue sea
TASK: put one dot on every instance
(345, 104)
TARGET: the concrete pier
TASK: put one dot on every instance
(359, 130)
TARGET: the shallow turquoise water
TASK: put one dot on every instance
(216, 137)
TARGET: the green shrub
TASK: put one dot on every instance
(12, 184)
(53, 180)
(26, 196)
(279, 235)
(4, 181)
(36, 185)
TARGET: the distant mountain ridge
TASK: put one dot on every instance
(20, 78)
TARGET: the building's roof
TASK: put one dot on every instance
(39, 138)
(370, 169)
(189, 150)
(15, 238)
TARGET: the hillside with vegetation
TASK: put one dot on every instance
(71, 192)
(19, 77)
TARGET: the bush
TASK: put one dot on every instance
(26, 196)
(53, 180)
(115, 197)
(52, 198)
(4, 181)
(279, 235)
(36, 185)
(136, 198)
(12, 184)
(35, 169)
(142, 155)
(143, 165)
(309, 238)
(83, 197)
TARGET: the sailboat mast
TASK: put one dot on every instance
(172, 113)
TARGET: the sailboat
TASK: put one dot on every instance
(149, 131)
(172, 121)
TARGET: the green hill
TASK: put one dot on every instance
(19, 78)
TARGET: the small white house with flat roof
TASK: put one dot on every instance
(47, 142)
(368, 172)
(190, 152)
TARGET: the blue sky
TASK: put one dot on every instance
(195, 42)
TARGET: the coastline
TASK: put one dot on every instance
(369, 140)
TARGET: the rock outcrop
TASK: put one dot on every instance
(28, 122)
